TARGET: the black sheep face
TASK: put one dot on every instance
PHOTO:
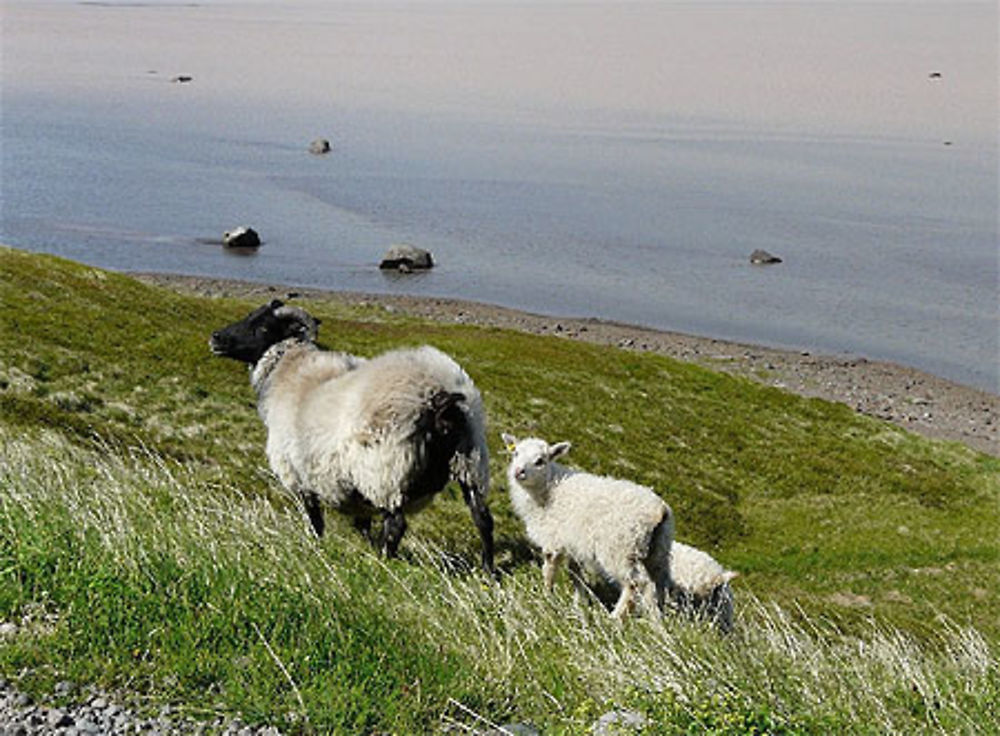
(248, 339)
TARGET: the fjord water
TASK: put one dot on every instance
(606, 159)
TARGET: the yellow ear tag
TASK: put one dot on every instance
(510, 447)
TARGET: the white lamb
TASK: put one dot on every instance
(701, 586)
(621, 529)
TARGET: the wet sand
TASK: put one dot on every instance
(920, 402)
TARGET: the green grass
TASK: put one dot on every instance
(144, 546)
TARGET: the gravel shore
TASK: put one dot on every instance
(93, 713)
(920, 402)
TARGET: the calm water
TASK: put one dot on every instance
(610, 159)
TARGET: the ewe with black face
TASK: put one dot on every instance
(368, 437)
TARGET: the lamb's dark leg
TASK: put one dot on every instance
(484, 523)
(315, 511)
(577, 575)
(393, 528)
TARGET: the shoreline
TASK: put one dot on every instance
(917, 401)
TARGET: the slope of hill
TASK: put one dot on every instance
(145, 548)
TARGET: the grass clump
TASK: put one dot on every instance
(144, 548)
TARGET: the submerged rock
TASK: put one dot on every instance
(319, 146)
(241, 237)
(406, 258)
(762, 258)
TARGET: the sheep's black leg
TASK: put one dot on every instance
(364, 526)
(315, 511)
(484, 523)
(393, 528)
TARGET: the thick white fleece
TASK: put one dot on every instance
(600, 522)
(604, 523)
(337, 423)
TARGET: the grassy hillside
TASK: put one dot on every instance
(144, 546)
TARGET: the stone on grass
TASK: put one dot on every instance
(619, 723)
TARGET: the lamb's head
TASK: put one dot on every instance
(531, 462)
(248, 339)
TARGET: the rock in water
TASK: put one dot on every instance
(406, 258)
(241, 237)
(762, 258)
(319, 146)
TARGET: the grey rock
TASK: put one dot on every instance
(241, 237)
(85, 727)
(619, 723)
(319, 146)
(405, 258)
(58, 718)
(763, 258)
(22, 700)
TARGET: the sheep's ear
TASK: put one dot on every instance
(723, 577)
(558, 450)
(275, 304)
(298, 322)
(509, 441)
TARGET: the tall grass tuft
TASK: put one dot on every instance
(132, 570)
